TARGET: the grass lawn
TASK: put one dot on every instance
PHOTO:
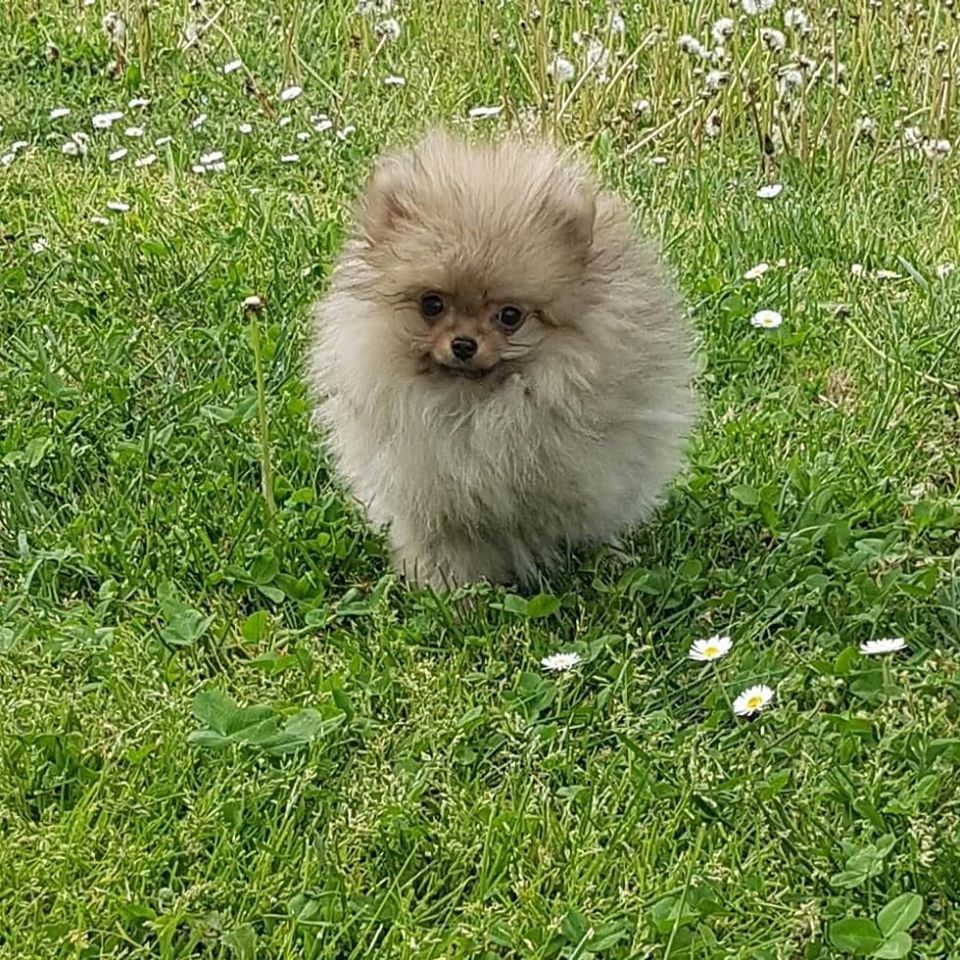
(226, 731)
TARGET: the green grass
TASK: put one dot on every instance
(411, 782)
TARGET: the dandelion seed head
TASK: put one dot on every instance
(388, 29)
(795, 19)
(715, 79)
(754, 7)
(113, 26)
(865, 128)
(722, 30)
(772, 39)
(945, 269)
(690, 44)
(641, 107)
(616, 24)
(561, 70)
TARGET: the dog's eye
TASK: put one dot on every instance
(432, 305)
(510, 318)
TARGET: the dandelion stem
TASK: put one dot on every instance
(266, 468)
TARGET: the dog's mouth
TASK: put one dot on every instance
(457, 372)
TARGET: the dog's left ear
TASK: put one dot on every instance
(571, 205)
(385, 205)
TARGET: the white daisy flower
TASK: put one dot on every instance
(722, 30)
(96, 218)
(483, 113)
(887, 275)
(245, 128)
(876, 648)
(210, 158)
(146, 161)
(769, 191)
(220, 166)
(69, 147)
(945, 269)
(934, 148)
(162, 141)
(659, 161)
(57, 112)
(118, 206)
(252, 303)
(303, 136)
(39, 245)
(561, 70)
(560, 662)
(394, 81)
(284, 121)
(104, 121)
(8, 158)
(290, 93)
(641, 107)
(752, 700)
(322, 125)
(387, 30)
(755, 273)
(753, 7)
(134, 132)
(116, 155)
(290, 158)
(857, 269)
(232, 66)
(198, 121)
(713, 648)
(137, 102)
(18, 145)
(346, 131)
(198, 168)
(766, 319)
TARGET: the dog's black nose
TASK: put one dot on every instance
(463, 348)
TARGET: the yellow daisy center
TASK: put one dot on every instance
(755, 702)
(711, 651)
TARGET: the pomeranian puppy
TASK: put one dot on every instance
(501, 368)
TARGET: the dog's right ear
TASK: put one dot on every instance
(385, 205)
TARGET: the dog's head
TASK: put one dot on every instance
(478, 250)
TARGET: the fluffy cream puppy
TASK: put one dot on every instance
(501, 368)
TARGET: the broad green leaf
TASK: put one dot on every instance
(895, 947)
(542, 605)
(215, 709)
(241, 942)
(901, 913)
(855, 935)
